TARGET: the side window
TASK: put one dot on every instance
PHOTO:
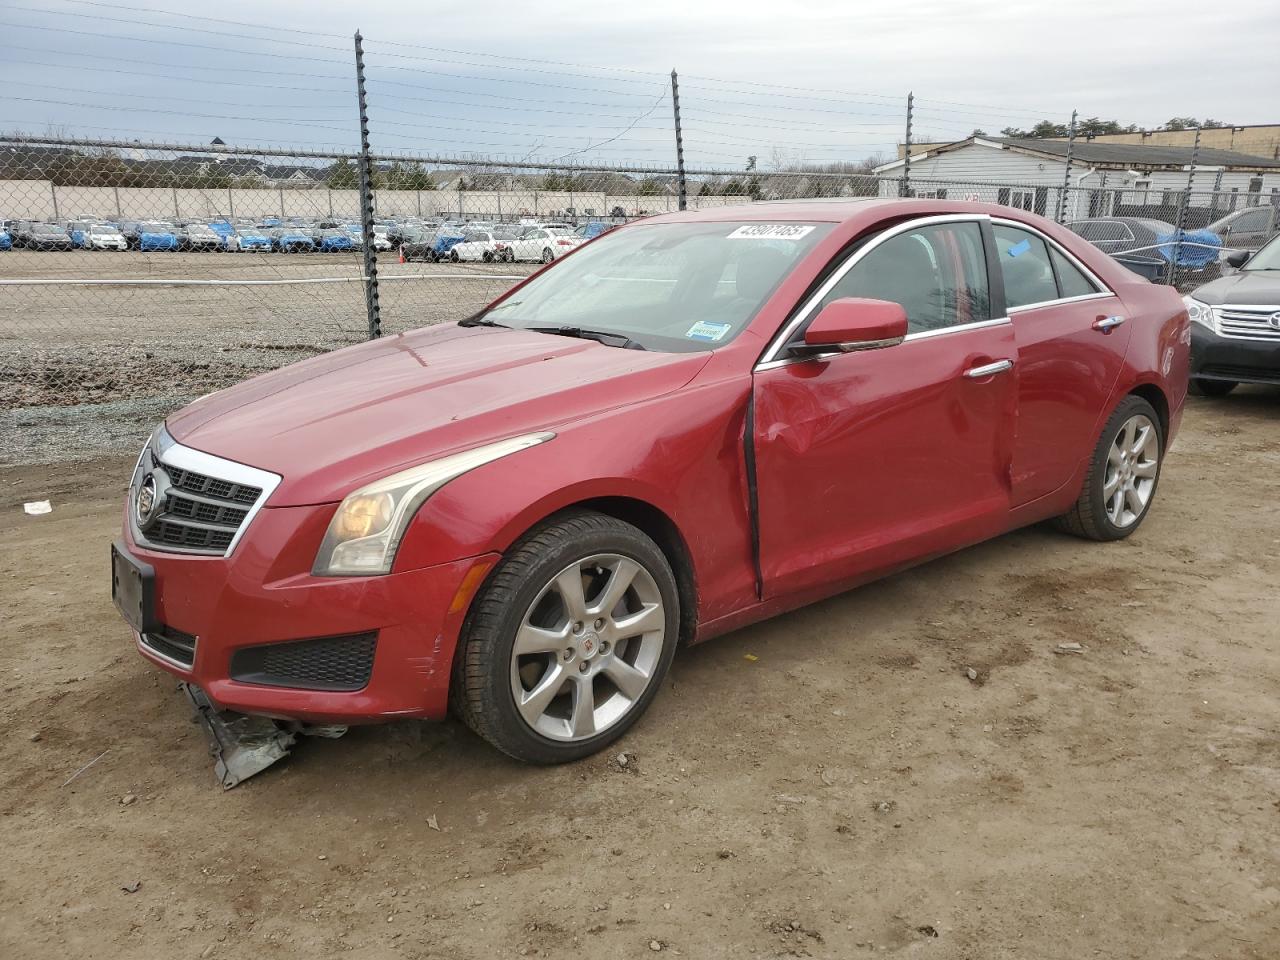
(938, 273)
(1024, 258)
(1071, 282)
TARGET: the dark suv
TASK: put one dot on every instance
(1236, 334)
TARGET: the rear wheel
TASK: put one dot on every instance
(1212, 388)
(453, 256)
(547, 255)
(1123, 475)
(569, 641)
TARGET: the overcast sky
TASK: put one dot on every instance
(587, 81)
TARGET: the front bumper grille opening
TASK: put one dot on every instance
(342, 663)
(1222, 371)
(173, 644)
(172, 534)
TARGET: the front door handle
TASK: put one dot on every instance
(988, 369)
(1107, 324)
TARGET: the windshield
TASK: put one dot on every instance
(157, 228)
(679, 287)
(1267, 258)
(46, 228)
(99, 230)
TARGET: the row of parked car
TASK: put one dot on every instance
(418, 239)
(496, 242)
(1148, 247)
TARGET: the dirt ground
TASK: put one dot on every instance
(828, 784)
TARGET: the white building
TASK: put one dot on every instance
(1104, 177)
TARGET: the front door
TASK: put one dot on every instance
(866, 461)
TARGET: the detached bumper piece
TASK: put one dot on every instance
(242, 745)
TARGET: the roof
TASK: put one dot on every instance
(1124, 156)
(1138, 154)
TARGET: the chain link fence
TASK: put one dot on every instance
(138, 275)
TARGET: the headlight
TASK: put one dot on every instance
(365, 533)
(1200, 313)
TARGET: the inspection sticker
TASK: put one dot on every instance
(771, 231)
(704, 330)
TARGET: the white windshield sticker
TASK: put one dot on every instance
(771, 231)
(706, 330)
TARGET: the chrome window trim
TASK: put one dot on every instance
(171, 453)
(1103, 289)
(770, 357)
(1057, 303)
(918, 335)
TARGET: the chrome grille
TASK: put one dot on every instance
(193, 502)
(1251, 323)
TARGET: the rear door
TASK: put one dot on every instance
(868, 460)
(1071, 333)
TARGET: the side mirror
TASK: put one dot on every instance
(854, 323)
(1238, 259)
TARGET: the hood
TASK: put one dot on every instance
(1256, 287)
(330, 423)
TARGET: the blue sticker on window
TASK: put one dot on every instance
(1018, 249)
(704, 330)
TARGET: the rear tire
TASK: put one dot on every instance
(547, 255)
(1124, 473)
(1212, 388)
(591, 657)
(453, 256)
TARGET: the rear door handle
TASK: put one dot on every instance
(988, 369)
(1107, 324)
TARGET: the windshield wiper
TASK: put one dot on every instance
(600, 336)
(480, 322)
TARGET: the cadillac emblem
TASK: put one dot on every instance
(1274, 320)
(144, 504)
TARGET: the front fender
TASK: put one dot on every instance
(681, 454)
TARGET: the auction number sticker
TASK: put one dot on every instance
(771, 231)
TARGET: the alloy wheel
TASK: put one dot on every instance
(588, 647)
(1133, 463)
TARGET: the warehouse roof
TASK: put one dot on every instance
(1125, 156)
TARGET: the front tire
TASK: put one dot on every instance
(547, 255)
(1212, 388)
(1124, 473)
(568, 642)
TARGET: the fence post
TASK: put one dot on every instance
(675, 109)
(1183, 203)
(176, 214)
(366, 203)
(53, 192)
(1066, 176)
(116, 191)
(904, 187)
(281, 191)
(231, 202)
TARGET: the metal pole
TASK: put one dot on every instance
(1066, 176)
(53, 192)
(366, 203)
(675, 109)
(1182, 210)
(176, 214)
(116, 191)
(231, 202)
(281, 190)
(904, 188)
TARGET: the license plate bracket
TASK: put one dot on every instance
(133, 589)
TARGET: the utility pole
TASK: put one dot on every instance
(675, 107)
(904, 187)
(1066, 177)
(366, 203)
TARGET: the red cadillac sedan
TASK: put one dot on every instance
(689, 424)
